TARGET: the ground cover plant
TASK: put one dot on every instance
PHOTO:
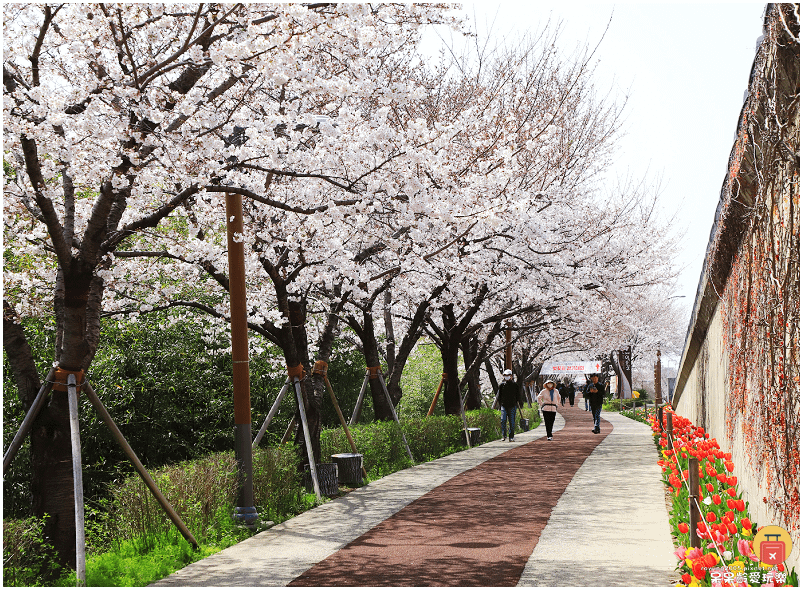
(726, 531)
(132, 543)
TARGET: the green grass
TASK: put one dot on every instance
(131, 542)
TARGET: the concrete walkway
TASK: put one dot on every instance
(600, 536)
(611, 525)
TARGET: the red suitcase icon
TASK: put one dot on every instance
(773, 552)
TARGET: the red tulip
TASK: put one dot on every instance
(686, 578)
(740, 506)
(746, 523)
(699, 570)
(732, 528)
(731, 516)
(731, 492)
(683, 527)
(711, 517)
(710, 487)
(716, 499)
(732, 480)
(701, 527)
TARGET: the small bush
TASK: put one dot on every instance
(428, 438)
(27, 559)
(201, 491)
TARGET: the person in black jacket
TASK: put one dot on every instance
(570, 393)
(509, 396)
(595, 392)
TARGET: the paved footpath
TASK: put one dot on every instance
(581, 510)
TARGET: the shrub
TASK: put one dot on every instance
(27, 559)
(428, 438)
(202, 492)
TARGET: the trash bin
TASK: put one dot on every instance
(349, 465)
(474, 437)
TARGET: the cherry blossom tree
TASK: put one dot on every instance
(117, 117)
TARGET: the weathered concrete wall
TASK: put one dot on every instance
(703, 400)
(739, 376)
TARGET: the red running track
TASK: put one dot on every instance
(477, 529)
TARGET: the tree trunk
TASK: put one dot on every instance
(469, 349)
(373, 359)
(452, 393)
(295, 352)
(414, 333)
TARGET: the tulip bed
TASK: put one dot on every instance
(726, 536)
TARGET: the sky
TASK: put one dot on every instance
(684, 69)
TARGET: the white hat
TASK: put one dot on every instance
(549, 381)
(507, 372)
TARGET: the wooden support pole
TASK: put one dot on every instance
(271, 415)
(357, 410)
(394, 415)
(657, 378)
(660, 413)
(165, 505)
(442, 381)
(312, 465)
(343, 421)
(669, 431)
(289, 430)
(27, 423)
(77, 480)
(694, 499)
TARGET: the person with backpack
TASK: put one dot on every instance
(509, 396)
(547, 399)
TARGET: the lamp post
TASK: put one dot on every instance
(245, 510)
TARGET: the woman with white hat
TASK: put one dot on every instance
(548, 402)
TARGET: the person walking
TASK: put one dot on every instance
(547, 402)
(571, 393)
(509, 396)
(595, 392)
(562, 391)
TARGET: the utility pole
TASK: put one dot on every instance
(245, 510)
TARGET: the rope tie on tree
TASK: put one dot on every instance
(374, 372)
(62, 375)
(321, 368)
(297, 371)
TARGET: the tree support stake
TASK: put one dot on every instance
(442, 382)
(77, 481)
(321, 368)
(394, 414)
(271, 415)
(27, 423)
(312, 465)
(118, 436)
